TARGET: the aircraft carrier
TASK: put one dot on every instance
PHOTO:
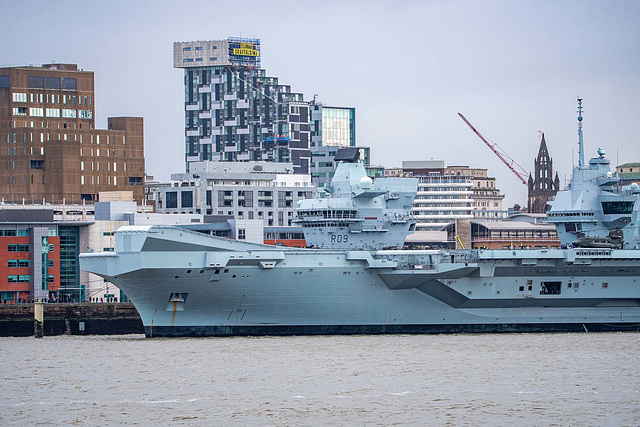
(353, 281)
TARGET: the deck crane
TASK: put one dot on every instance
(506, 159)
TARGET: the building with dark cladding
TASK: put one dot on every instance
(234, 111)
(49, 147)
(543, 186)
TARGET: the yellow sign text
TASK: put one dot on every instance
(246, 52)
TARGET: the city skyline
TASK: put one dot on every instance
(512, 68)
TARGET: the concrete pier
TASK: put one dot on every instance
(69, 318)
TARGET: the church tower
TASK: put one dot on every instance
(543, 186)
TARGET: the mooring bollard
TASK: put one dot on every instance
(38, 319)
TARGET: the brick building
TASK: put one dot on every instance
(49, 147)
(30, 256)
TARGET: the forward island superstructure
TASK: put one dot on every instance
(188, 284)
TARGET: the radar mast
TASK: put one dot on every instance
(580, 142)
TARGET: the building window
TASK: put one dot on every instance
(22, 278)
(37, 164)
(213, 58)
(198, 59)
(18, 263)
(68, 114)
(19, 97)
(53, 112)
(186, 49)
(69, 84)
(52, 83)
(187, 60)
(242, 234)
(171, 199)
(36, 82)
(36, 112)
(186, 199)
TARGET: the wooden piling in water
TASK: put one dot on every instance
(38, 319)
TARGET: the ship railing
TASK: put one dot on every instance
(457, 258)
(511, 239)
(398, 219)
(328, 217)
(446, 259)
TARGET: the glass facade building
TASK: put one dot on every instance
(331, 128)
(70, 288)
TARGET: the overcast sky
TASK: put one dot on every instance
(408, 67)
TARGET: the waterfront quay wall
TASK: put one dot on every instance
(72, 319)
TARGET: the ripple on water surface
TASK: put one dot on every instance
(383, 379)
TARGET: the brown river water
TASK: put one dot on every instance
(502, 379)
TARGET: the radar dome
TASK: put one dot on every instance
(366, 183)
(635, 187)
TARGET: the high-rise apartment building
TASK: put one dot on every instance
(234, 111)
(49, 147)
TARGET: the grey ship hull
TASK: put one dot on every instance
(188, 284)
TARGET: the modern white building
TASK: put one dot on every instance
(441, 198)
(487, 199)
(267, 191)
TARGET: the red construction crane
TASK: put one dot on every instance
(506, 159)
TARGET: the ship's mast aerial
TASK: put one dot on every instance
(580, 143)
